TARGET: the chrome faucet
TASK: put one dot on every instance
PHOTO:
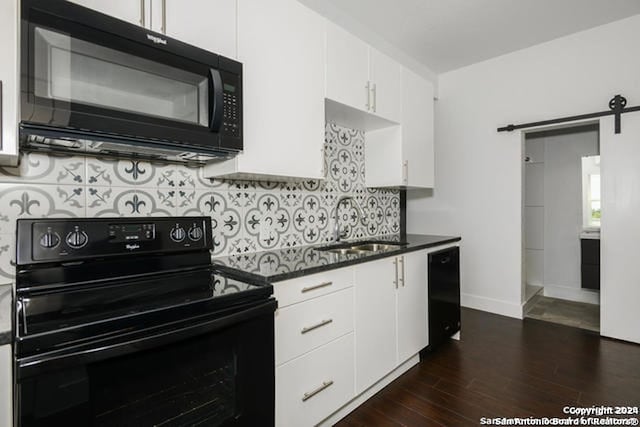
(339, 234)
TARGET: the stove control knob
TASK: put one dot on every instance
(49, 240)
(195, 233)
(77, 239)
(178, 234)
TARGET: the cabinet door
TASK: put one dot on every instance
(6, 386)
(386, 75)
(281, 46)
(347, 68)
(208, 24)
(417, 131)
(134, 11)
(375, 326)
(412, 305)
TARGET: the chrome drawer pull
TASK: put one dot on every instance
(313, 288)
(310, 394)
(316, 326)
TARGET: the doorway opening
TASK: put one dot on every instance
(561, 226)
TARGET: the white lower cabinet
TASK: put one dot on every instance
(413, 331)
(310, 324)
(313, 386)
(6, 386)
(375, 321)
(391, 315)
(340, 332)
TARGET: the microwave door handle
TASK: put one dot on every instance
(216, 100)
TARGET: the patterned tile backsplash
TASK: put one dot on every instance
(247, 216)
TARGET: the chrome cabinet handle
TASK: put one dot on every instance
(312, 393)
(318, 286)
(163, 29)
(316, 326)
(405, 171)
(368, 88)
(375, 98)
(142, 13)
(401, 261)
(395, 263)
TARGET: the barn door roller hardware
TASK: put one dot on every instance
(617, 107)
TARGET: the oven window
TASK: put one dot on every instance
(72, 70)
(188, 383)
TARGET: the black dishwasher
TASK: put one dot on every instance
(444, 295)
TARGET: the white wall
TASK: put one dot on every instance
(553, 213)
(478, 192)
(534, 212)
(563, 214)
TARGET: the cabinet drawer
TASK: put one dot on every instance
(312, 387)
(296, 290)
(310, 324)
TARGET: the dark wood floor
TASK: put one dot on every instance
(505, 367)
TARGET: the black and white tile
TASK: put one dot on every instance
(247, 216)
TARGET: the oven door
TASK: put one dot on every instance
(211, 372)
(86, 74)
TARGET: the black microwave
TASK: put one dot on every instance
(102, 86)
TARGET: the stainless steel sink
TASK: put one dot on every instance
(375, 247)
(359, 248)
(343, 251)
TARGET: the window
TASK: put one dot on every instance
(594, 200)
(591, 192)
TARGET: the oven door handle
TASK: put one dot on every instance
(216, 100)
(35, 365)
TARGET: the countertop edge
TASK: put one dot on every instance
(242, 275)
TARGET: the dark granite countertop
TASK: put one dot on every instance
(288, 263)
(6, 297)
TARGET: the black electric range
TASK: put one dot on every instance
(124, 321)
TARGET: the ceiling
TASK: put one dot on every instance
(448, 34)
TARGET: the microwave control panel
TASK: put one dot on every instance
(232, 111)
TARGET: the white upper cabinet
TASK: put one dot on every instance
(362, 78)
(10, 82)
(347, 69)
(281, 46)
(386, 86)
(208, 24)
(403, 156)
(135, 11)
(417, 131)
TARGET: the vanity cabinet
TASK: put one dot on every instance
(281, 46)
(361, 77)
(403, 156)
(391, 315)
(9, 82)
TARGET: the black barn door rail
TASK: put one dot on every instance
(617, 107)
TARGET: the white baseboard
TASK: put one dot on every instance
(572, 294)
(360, 399)
(491, 305)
